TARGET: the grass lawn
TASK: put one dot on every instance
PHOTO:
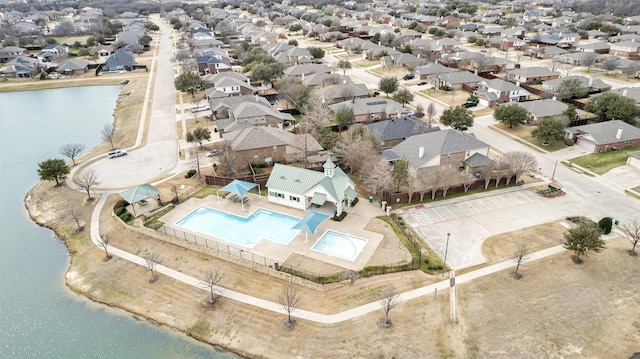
(69, 40)
(602, 162)
(367, 63)
(524, 133)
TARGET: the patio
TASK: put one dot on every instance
(359, 216)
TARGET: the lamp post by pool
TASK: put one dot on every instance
(444, 266)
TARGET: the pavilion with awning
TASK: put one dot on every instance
(139, 194)
(239, 188)
(310, 223)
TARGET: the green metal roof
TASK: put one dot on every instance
(318, 198)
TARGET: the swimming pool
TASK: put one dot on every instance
(340, 245)
(245, 231)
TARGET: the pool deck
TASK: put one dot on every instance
(353, 224)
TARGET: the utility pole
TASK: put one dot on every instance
(446, 250)
(553, 175)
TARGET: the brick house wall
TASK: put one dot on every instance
(249, 156)
(621, 144)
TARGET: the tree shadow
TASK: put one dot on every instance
(576, 259)
(288, 325)
(385, 323)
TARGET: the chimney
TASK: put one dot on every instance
(591, 82)
(624, 92)
(421, 151)
(619, 134)
(303, 76)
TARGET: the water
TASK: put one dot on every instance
(39, 316)
(245, 231)
(340, 245)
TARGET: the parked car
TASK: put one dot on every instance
(376, 93)
(200, 108)
(213, 153)
(53, 77)
(117, 153)
(409, 77)
(469, 104)
(422, 83)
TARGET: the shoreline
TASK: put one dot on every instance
(37, 85)
(30, 206)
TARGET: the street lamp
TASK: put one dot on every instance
(446, 250)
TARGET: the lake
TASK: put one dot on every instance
(40, 317)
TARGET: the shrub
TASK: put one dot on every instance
(340, 217)
(605, 225)
(126, 216)
(435, 267)
(190, 174)
(568, 142)
(119, 211)
(354, 202)
(445, 88)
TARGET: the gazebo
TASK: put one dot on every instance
(310, 223)
(139, 194)
(239, 188)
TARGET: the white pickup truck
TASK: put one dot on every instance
(116, 153)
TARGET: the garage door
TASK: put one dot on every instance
(483, 102)
(589, 146)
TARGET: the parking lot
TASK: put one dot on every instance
(471, 220)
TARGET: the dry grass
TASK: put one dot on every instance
(558, 309)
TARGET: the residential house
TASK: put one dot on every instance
(598, 47)
(541, 109)
(101, 50)
(21, 67)
(11, 52)
(343, 91)
(318, 80)
(429, 71)
(630, 49)
(73, 67)
(497, 91)
(258, 114)
(546, 52)
(377, 52)
(591, 84)
(580, 58)
(605, 136)
(230, 86)
(371, 109)
(354, 45)
(270, 145)
(458, 80)
(630, 92)
(119, 61)
(220, 106)
(53, 53)
(302, 188)
(306, 69)
(391, 132)
(530, 75)
(438, 151)
(511, 43)
(401, 60)
(212, 80)
(212, 65)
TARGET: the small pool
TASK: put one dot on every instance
(340, 245)
(245, 231)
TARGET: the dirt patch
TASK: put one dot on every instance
(499, 248)
(558, 309)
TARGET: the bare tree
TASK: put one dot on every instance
(520, 163)
(153, 259)
(446, 179)
(519, 255)
(486, 173)
(589, 59)
(480, 64)
(211, 279)
(109, 133)
(502, 170)
(431, 112)
(610, 63)
(377, 177)
(390, 300)
(76, 214)
(316, 110)
(567, 68)
(71, 150)
(104, 244)
(288, 300)
(87, 180)
(632, 230)
(228, 165)
(466, 180)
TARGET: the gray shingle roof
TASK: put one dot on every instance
(477, 160)
(435, 144)
(605, 132)
(400, 128)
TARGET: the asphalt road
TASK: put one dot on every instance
(159, 155)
